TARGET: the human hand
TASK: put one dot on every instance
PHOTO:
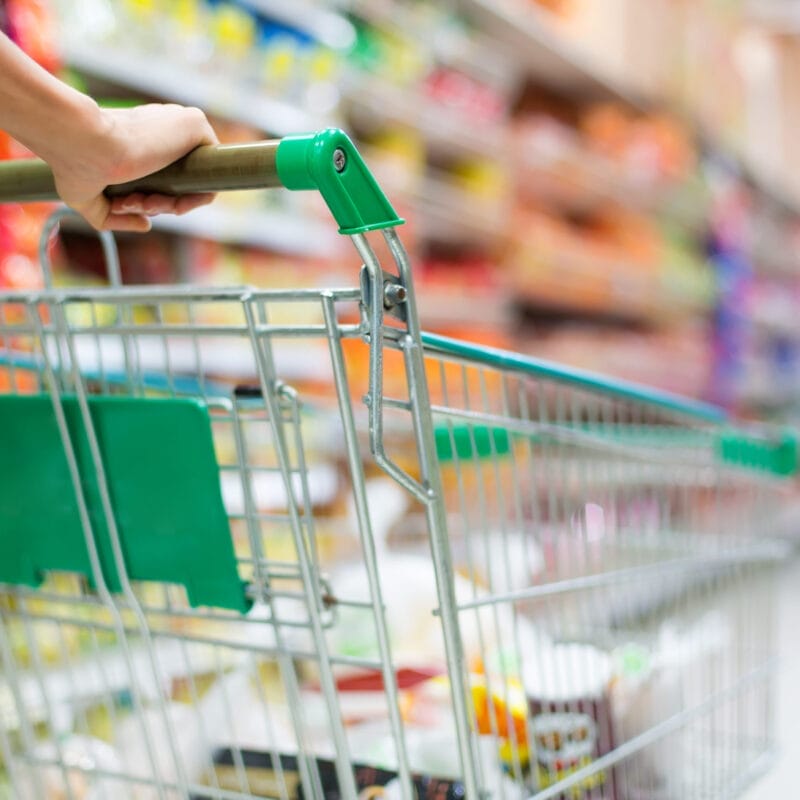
(120, 145)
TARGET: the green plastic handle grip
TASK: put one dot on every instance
(326, 161)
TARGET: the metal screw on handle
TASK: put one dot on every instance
(339, 160)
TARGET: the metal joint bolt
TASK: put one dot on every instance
(394, 294)
(339, 159)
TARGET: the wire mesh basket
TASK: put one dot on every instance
(283, 544)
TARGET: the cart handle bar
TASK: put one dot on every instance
(326, 161)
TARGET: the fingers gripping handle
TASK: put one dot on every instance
(218, 168)
(206, 169)
(326, 161)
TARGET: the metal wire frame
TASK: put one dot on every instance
(58, 335)
(616, 536)
(679, 533)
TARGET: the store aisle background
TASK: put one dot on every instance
(610, 184)
(568, 171)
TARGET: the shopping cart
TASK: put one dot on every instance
(285, 544)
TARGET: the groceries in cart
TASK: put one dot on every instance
(417, 569)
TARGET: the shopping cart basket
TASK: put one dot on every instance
(285, 544)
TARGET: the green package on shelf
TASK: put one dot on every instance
(163, 483)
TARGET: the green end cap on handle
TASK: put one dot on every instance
(329, 162)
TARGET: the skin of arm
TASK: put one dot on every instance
(89, 148)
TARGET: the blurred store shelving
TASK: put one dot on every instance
(607, 183)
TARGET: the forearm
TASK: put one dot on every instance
(40, 111)
(89, 148)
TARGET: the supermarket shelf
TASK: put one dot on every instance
(590, 307)
(441, 308)
(770, 186)
(216, 92)
(324, 25)
(577, 181)
(516, 25)
(542, 49)
(279, 232)
(561, 284)
(276, 231)
(446, 214)
(533, 43)
(781, 17)
(783, 323)
(777, 259)
(563, 67)
(447, 131)
(769, 399)
(467, 50)
(367, 96)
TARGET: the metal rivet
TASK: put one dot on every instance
(394, 294)
(339, 159)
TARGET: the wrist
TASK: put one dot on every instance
(58, 123)
(81, 130)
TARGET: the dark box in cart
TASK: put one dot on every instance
(267, 781)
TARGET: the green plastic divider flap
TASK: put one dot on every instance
(163, 480)
(329, 162)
